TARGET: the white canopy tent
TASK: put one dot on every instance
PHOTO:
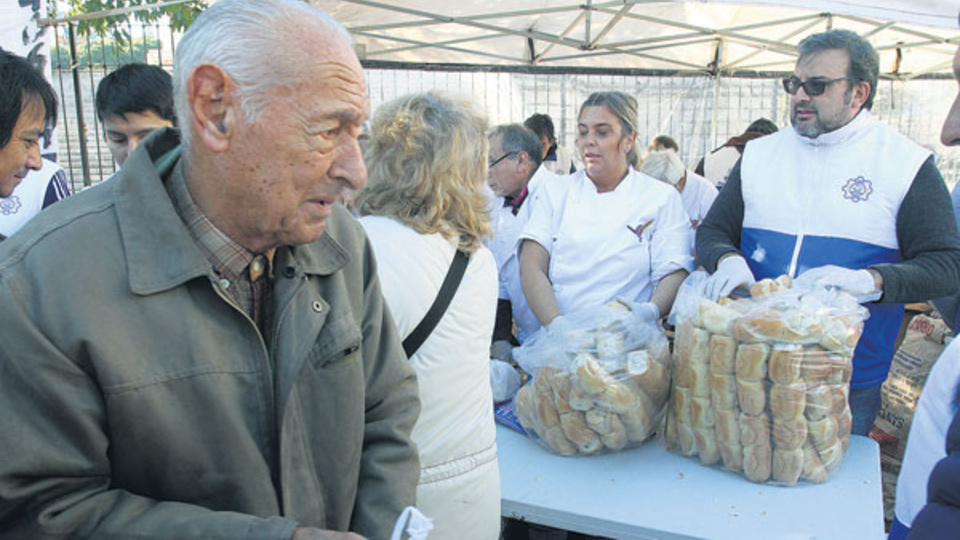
(915, 38)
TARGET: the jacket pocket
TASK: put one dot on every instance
(337, 345)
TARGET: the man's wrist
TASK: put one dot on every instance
(877, 279)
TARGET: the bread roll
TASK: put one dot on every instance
(687, 439)
(723, 351)
(588, 376)
(751, 397)
(683, 344)
(787, 465)
(616, 438)
(763, 288)
(700, 347)
(757, 462)
(671, 437)
(557, 441)
(800, 326)
(813, 469)
(638, 423)
(547, 414)
(817, 365)
(785, 364)
(727, 426)
(762, 325)
(823, 431)
(844, 424)
(560, 385)
(785, 281)
(700, 379)
(599, 420)
(579, 400)
(789, 434)
(842, 370)
(654, 380)
(831, 456)
(683, 403)
(787, 401)
(731, 455)
(723, 391)
(751, 362)
(819, 402)
(839, 394)
(579, 433)
(618, 397)
(754, 430)
(706, 443)
(840, 334)
(702, 413)
(715, 318)
(524, 404)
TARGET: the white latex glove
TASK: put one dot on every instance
(504, 381)
(859, 283)
(502, 350)
(558, 328)
(732, 272)
(643, 312)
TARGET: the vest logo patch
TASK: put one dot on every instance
(9, 205)
(857, 189)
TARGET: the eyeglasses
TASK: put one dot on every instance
(501, 158)
(813, 87)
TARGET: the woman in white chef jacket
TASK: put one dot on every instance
(427, 162)
(606, 231)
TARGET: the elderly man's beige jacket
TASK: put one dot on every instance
(137, 402)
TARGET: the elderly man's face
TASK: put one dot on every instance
(950, 135)
(297, 159)
(505, 177)
(22, 151)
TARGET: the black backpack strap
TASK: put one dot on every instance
(440, 304)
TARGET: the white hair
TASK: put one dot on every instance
(664, 165)
(250, 41)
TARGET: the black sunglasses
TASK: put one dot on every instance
(501, 158)
(813, 87)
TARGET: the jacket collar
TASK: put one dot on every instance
(160, 252)
(860, 123)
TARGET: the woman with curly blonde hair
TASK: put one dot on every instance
(424, 201)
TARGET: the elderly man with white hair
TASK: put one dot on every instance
(696, 192)
(221, 364)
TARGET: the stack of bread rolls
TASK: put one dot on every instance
(760, 384)
(603, 399)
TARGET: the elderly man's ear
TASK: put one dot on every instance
(211, 95)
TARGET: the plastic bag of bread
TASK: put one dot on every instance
(760, 384)
(607, 393)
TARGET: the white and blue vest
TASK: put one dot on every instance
(831, 200)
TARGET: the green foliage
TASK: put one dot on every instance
(105, 53)
(180, 15)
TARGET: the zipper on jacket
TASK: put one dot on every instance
(808, 207)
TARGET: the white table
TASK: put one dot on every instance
(648, 493)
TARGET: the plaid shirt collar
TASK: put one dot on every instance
(229, 259)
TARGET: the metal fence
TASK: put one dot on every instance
(700, 112)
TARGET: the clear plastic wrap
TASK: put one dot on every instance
(602, 386)
(761, 384)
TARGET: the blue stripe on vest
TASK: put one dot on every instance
(768, 254)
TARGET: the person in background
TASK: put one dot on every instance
(608, 233)
(227, 367)
(696, 193)
(38, 190)
(515, 173)
(555, 158)
(664, 142)
(132, 102)
(423, 203)
(28, 109)
(928, 499)
(716, 165)
(855, 205)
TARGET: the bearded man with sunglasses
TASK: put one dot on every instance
(842, 200)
